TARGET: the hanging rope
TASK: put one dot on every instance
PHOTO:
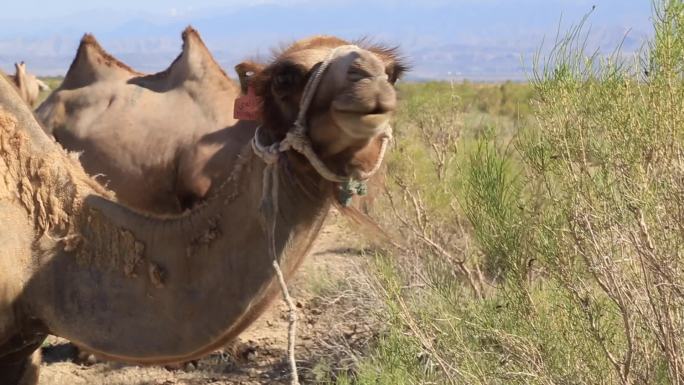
(269, 212)
(297, 139)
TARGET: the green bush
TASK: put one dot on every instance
(544, 248)
(53, 82)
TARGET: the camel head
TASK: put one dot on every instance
(350, 107)
(21, 78)
(20, 68)
(26, 83)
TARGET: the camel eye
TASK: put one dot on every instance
(284, 80)
(355, 74)
(287, 75)
(395, 71)
(287, 79)
(391, 75)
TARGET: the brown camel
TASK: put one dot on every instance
(148, 289)
(29, 85)
(138, 133)
(188, 129)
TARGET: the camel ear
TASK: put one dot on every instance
(395, 70)
(246, 71)
(248, 106)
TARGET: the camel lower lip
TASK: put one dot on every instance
(360, 124)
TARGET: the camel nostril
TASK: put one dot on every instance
(378, 110)
(383, 107)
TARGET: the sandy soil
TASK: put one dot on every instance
(334, 327)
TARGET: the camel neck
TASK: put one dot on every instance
(150, 290)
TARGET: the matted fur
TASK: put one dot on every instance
(31, 180)
(51, 189)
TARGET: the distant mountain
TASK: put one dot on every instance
(444, 40)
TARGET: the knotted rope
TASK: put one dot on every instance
(297, 139)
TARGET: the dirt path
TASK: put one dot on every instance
(332, 329)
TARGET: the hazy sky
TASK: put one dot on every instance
(173, 7)
(457, 36)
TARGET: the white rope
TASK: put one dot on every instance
(302, 145)
(311, 87)
(292, 325)
(269, 214)
(297, 140)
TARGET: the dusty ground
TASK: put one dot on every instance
(334, 327)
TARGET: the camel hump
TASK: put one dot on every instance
(195, 61)
(191, 33)
(92, 63)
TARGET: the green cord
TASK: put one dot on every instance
(350, 188)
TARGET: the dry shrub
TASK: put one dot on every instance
(559, 260)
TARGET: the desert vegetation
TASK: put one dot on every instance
(539, 227)
(537, 230)
(53, 82)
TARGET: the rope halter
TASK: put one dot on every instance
(297, 139)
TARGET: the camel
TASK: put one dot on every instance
(192, 98)
(189, 124)
(138, 133)
(156, 289)
(29, 85)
